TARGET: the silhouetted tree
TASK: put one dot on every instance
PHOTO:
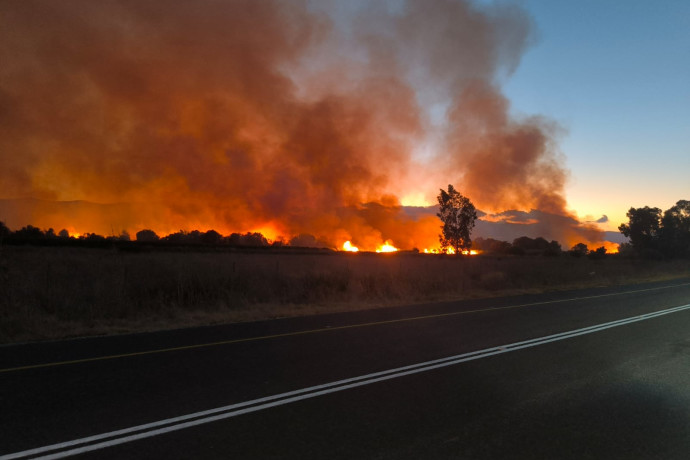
(63, 234)
(29, 233)
(147, 236)
(674, 234)
(534, 246)
(553, 249)
(177, 237)
(458, 215)
(248, 239)
(490, 245)
(211, 237)
(194, 237)
(579, 250)
(626, 250)
(598, 253)
(524, 242)
(4, 231)
(642, 228)
(92, 238)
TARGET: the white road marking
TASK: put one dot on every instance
(329, 328)
(199, 418)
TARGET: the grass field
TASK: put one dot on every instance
(51, 292)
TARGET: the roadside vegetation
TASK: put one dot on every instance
(51, 292)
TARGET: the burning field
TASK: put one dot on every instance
(333, 123)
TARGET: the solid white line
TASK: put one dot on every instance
(234, 410)
(231, 407)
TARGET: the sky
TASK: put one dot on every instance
(616, 76)
(328, 118)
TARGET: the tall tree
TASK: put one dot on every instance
(458, 215)
(642, 227)
(675, 230)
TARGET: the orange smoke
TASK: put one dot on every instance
(267, 116)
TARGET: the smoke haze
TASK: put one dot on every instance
(272, 116)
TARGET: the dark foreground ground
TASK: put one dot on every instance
(57, 292)
(620, 392)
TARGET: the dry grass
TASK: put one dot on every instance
(56, 292)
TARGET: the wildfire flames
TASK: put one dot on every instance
(124, 115)
(387, 247)
(347, 246)
(471, 252)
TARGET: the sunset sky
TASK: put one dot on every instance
(616, 75)
(323, 117)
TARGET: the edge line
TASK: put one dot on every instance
(199, 418)
(324, 329)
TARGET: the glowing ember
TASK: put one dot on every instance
(347, 246)
(471, 252)
(387, 247)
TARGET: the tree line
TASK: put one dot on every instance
(654, 234)
(34, 235)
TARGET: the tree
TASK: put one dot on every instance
(674, 235)
(29, 233)
(4, 231)
(211, 238)
(579, 250)
(248, 239)
(598, 253)
(458, 215)
(642, 227)
(147, 236)
(553, 249)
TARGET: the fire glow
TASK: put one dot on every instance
(471, 252)
(387, 247)
(288, 145)
(348, 247)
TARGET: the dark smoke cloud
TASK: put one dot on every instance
(246, 115)
(512, 224)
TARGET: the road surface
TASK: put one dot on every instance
(596, 373)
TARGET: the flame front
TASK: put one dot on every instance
(471, 252)
(347, 246)
(387, 247)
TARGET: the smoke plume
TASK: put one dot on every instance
(271, 116)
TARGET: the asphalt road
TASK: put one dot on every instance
(373, 384)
